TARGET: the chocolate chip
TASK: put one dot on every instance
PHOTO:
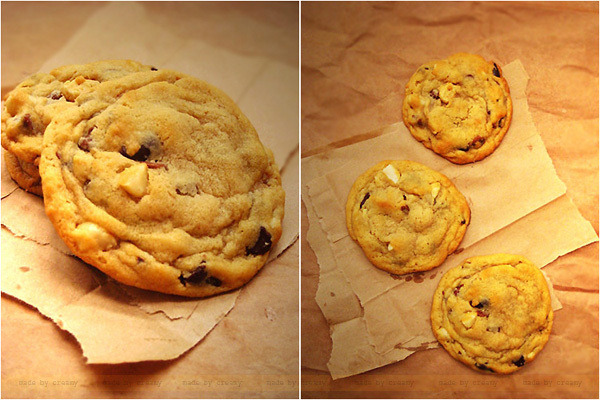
(500, 123)
(457, 289)
(26, 121)
(262, 244)
(520, 362)
(156, 165)
(477, 142)
(153, 69)
(405, 208)
(482, 314)
(196, 277)
(364, 199)
(211, 280)
(463, 222)
(496, 71)
(484, 367)
(404, 196)
(481, 304)
(85, 140)
(55, 95)
(434, 93)
(141, 155)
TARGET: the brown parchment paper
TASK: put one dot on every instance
(392, 318)
(114, 323)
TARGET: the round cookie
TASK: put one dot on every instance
(26, 175)
(459, 107)
(405, 216)
(31, 106)
(493, 313)
(160, 181)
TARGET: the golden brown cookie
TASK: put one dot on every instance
(405, 216)
(160, 181)
(493, 313)
(459, 107)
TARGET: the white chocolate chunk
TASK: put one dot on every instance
(134, 180)
(435, 189)
(391, 173)
(468, 319)
(443, 333)
(90, 236)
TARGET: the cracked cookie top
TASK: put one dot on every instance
(31, 106)
(405, 216)
(493, 313)
(459, 107)
(160, 181)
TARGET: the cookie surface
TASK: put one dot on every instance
(493, 313)
(160, 181)
(459, 107)
(31, 106)
(25, 174)
(405, 216)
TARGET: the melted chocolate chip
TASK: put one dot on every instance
(196, 277)
(496, 71)
(216, 282)
(484, 367)
(481, 304)
(262, 244)
(364, 199)
(85, 140)
(26, 121)
(55, 95)
(156, 165)
(405, 208)
(141, 155)
(520, 362)
(457, 289)
(477, 142)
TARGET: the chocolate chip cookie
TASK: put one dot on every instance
(32, 105)
(25, 174)
(493, 313)
(405, 216)
(160, 181)
(459, 107)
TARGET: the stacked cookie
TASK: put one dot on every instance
(150, 175)
(492, 313)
